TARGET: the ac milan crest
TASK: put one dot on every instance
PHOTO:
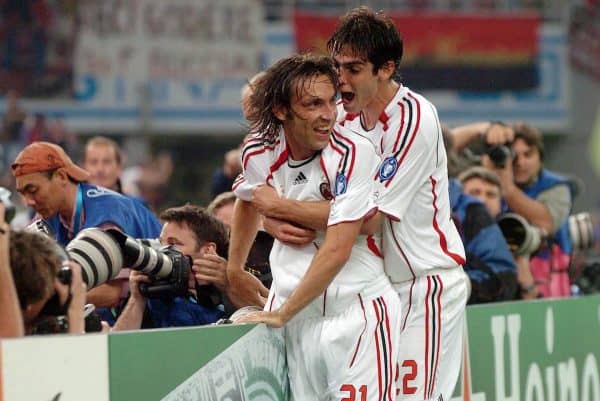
(325, 190)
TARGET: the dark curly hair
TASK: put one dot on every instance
(370, 35)
(34, 261)
(275, 90)
(530, 135)
(205, 227)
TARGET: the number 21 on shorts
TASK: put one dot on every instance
(351, 392)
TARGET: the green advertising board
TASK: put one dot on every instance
(210, 363)
(533, 350)
(546, 350)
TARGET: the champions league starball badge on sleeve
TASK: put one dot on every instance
(340, 184)
(388, 168)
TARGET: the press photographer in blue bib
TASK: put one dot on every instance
(58, 191)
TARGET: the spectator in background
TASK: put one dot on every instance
(247, 91)
(35, 261)
(104, 161)
(11, 140)
(489, 264)
(222, 207)
(36, 129)
(12, 319)
(60, 135)
(542, 197)
(149, 180)
(223, 178)
(12, 125)
(204, 239)
(484, 185)
(58, 191)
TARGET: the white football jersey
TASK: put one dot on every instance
(342, 173)
(412, 187)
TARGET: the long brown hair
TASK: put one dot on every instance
(275, 90)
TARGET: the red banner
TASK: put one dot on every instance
(488, 44)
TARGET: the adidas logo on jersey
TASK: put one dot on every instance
(300, 179)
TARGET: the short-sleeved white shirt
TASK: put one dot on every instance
(412, 187)
(342, 173)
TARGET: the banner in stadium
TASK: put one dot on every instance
(533, 350)
(156, 60)
(546, 106)
(451, 51)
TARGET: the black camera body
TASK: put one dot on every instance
(52, 319)
(499, 154)
(589, 279)
(176, 283)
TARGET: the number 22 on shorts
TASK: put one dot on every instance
(410, 367)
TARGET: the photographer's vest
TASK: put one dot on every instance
(489, 263)
(550, 265)
(99, 206)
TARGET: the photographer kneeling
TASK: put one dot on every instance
(50, 289)
(543, 198)
(204, 239)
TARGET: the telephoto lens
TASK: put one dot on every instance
(522, 238)
(102, 254)
(98, 254)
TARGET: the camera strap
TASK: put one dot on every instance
(78, 210)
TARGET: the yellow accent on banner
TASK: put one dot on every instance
(595, 144)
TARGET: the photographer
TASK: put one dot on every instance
(540, 196)
(59, 192)
(484, 185)
(48, 305)
(489, 263)
(204, 239)
(12, 320)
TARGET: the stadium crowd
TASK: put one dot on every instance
(88, 251)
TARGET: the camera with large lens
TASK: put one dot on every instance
(9, 207)
(581, 231)
(522, 238)
(499, 154)
(167, 267)
(207, 295)
(102, 254)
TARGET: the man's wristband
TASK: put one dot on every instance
(528, 288)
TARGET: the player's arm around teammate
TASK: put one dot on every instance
(328, 261)
(244, 288)
(294, 222)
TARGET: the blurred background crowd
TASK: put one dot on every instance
(147, 97)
